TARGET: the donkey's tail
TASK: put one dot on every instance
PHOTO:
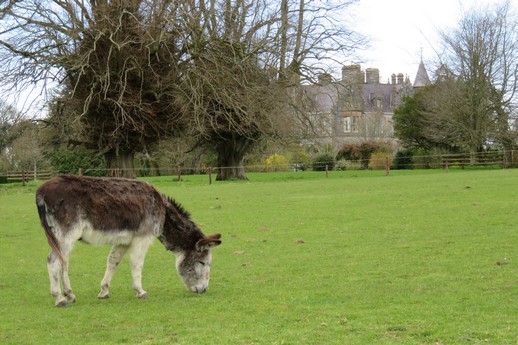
(51, 238)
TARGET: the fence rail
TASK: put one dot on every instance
(479, 159)
(24, 176)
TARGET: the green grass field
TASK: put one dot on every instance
(419, 257)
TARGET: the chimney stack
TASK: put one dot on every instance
(353, 74)
(373, 75)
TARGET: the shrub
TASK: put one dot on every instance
(428, 159)
(378, 161)
(360, 151)
(70, 161)
(320, 162)
(276, 162)
(404, 159)
(300, 160)
(342, 165)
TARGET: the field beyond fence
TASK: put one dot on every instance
(419, 257)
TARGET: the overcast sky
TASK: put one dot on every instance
(399, 30)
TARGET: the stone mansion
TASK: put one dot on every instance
(358, 107)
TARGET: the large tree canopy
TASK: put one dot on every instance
(116, 63)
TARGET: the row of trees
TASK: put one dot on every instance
(471, 105)
(221, 73)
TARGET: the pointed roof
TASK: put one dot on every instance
(421, 78)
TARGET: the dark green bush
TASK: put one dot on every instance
(360, 152)
(319, 162)
(404, 159)
(65, 161)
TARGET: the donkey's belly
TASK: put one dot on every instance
(107, 237)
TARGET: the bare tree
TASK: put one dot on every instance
(116, 63)
(241, 84)
(482, 53)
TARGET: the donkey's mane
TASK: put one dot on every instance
(179, 208)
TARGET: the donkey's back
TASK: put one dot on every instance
(108, 204)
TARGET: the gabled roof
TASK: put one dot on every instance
(421, 78)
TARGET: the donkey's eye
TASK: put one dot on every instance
(202, 263)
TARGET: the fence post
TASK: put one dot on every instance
(446, 166)
(327, 170)
(387, 166)
(210, 176)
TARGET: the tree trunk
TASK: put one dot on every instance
(230, 166)
(231, 154)
(120, 163)
(473, 151)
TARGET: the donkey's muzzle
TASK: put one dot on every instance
(200, 289)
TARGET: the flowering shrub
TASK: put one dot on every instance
(276, 162)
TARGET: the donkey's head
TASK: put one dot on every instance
(193, 266)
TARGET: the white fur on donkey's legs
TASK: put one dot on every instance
(137, 254)
(114, 259)
(54, 268)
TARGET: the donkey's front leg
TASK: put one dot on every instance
(114, 259)
(138, 251)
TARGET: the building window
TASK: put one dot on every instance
(350, 124)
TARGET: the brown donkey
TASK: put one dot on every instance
(127, 214)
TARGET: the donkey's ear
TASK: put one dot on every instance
(208, 242)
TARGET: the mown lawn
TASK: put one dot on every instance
(421, 257)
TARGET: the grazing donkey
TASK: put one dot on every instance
(127, 214)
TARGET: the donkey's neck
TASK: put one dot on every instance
(179, 232)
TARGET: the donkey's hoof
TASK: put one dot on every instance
(62, 303)
(71, 298)
(142, 295)
(103, 295)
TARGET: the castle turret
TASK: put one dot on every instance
(421, 78)
(400, 78)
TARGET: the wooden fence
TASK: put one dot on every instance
(479, 159)
(25, 176)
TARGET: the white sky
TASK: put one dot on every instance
(400, 29)
(399, 32)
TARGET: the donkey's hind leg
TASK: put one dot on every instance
(55, 268)
(58, 274)
(114, 259)
(66, 248)
(67, 288)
